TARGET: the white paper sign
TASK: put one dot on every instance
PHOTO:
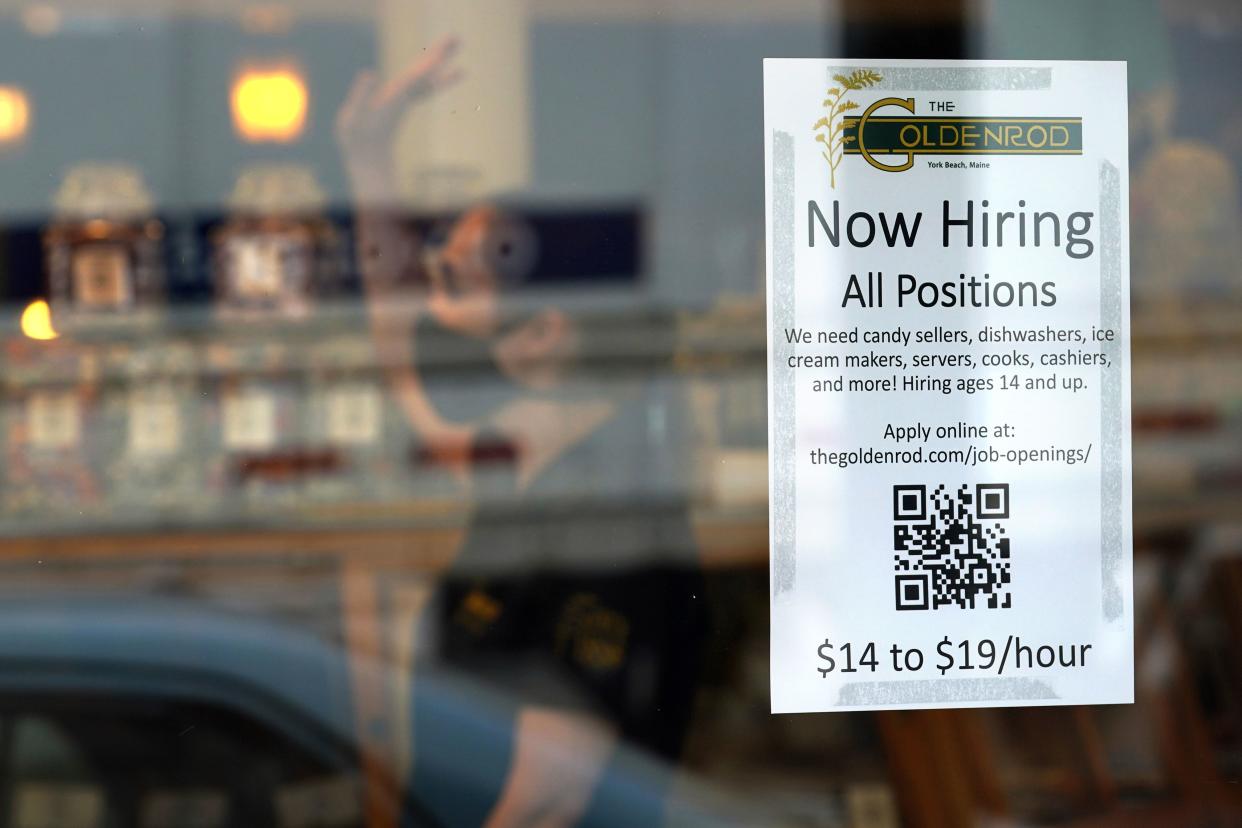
(54, 419)
(53, 805)
(322, 802)
(192, 808)
(154, 422)
(949, 383)
(354, 414)
(249, 419)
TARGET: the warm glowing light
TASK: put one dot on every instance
(14, 114)
(267, 18)
(37, 321)
(269, 104)
(42, 19)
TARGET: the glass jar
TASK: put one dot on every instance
(277, 255)
(103, 250)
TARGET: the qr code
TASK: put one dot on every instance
(951, 547)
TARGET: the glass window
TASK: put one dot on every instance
(384, 421)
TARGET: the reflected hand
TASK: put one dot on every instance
(368, 120)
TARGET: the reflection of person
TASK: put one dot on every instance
(561, 608)
(1185, 215)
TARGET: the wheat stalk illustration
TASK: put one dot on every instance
(830, 129)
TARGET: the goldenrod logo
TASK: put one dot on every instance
(831, 127)
(890, 141)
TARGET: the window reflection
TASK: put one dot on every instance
(384, 423)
